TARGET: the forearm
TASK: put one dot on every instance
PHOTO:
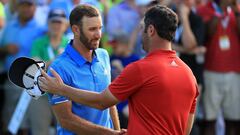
(179, 48)
(115, 118)
(84, 97)
(83, 127)
(188, 38)
(189, 124)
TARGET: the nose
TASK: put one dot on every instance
(98, 34)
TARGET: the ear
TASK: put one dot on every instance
(151, 31)
(75, 30)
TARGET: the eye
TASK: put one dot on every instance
(92, 28)
(95, 28)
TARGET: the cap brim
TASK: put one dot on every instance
(60, 19)
(17, 70)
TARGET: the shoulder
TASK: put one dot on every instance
(135, 65)
(102, 52)
(65, 39)
(134, 57)
(62, 61)
(41, 41)
(62, 65)
(11, 24)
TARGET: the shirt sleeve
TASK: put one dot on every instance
(193, 107)
(127, 83)
(53, 98)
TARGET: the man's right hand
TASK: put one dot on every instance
(121, 132)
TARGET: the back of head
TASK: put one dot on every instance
(164, 20)
(80, 11)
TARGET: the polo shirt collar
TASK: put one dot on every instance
(30, 23)
(77, 57)
(162, 52)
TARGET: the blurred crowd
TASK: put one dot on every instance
(207, 40)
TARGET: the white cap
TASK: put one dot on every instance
(24, 72)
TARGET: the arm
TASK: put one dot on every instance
(96, 100)
(9, 49)
(123, 87)
(93, 99)
(74, 123)
(188, 38)
(115, 118)
(192, 113)
(189, 123)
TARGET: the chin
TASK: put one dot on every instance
(94, 47)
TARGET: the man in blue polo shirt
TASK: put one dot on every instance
(84, 66)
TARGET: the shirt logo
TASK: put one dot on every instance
(174, 64)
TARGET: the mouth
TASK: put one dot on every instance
(95, 41)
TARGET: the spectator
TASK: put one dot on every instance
(47, 47)
(16, 41)
(221, 71)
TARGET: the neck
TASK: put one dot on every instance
(165, 45)
(55, 40)
(86, 53)
(131, 3)
(23, 21)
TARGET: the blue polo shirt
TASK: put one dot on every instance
(79, 73)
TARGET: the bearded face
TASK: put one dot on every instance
(91, 32)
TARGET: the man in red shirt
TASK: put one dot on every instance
(160, 88)
(222, 65)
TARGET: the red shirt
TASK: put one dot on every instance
(216, 58)
(161, 91)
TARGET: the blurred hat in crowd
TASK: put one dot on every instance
(142, 2)
(57, 15)
(24, 72)
(26, 1)
(122, 39)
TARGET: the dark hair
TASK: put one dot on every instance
(164, 20)
(153, 3)
(80, 11)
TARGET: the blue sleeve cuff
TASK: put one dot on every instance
(56, 99)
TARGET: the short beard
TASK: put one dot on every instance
(84, 40)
